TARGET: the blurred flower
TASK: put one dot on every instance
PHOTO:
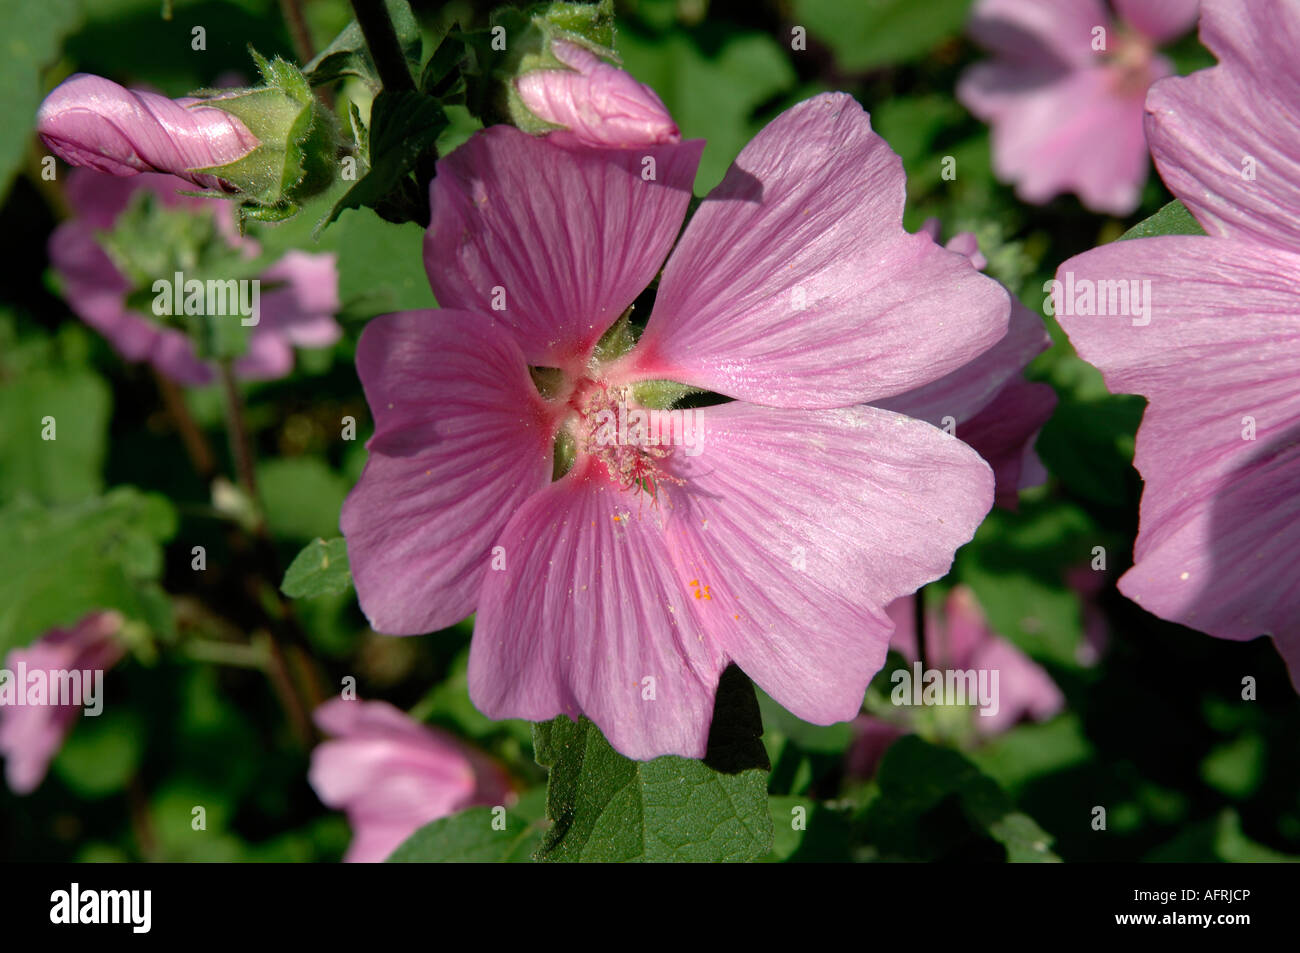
(994, 409)
(1218, 354)
(595, 104)
(959, 638)
(392, 775)
(32, 734)
(1064, 93)
(297, 308)
(622, 589)
(91, 121)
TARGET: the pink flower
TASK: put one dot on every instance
(392, 775)
(1216, 351)
(960, 638)
(32, 734)
(992, 407)
(778, 536)
(91, 121)
(596, 104)
(296, 309)
(1066, 111)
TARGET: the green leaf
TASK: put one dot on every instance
(403, 125)
(33, 31)
(320, 569)
(866, 34)
(68, 467)
(102, 753)
(1032, 750)
(57, 564)
(476, 836)
(711, 97)
(348, 55)
(302, 496)
(926, 792)
(381, 266)
(1173, 219)
(807, 831)
(605, 807)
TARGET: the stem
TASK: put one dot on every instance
(385, 50)
(281, 674)
(233, 654)
(241, 446)
(291, 10)
(395, 75)
(196, 445)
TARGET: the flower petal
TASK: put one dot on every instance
(795, 284)
(805, 526)
(1003, 433)
(461, 439)
(570, 237)
(589, 607)
(1227, 140)
(1160, 20)
(1220, 364)
(965, 392)
(1063, 132)
(1052, 33)
(96, 292)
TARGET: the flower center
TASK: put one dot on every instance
(1131, 64)
(628, 439)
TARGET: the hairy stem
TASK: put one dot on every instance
(381, 39)
(303, 48)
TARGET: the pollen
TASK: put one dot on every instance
(611, 428)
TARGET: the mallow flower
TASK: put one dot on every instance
(32, 732)
(988, 403)
(393, 775)
(297, 297)
(594, 103)
(1217, 355)
(1064, 91)
(770, 530)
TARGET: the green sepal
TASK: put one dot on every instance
(297, 136)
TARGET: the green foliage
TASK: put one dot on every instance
(931, 801)
(347, 54)
(59, 563)
(44, 377)
(320, 569)
(33, 31)
(714, 95)
(867, 34)
(479, 835)
(1172, 219)
(605, 807)
(403, 126)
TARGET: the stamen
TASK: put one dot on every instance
(619, 434)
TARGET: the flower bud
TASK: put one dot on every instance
(271, 145)
(597, 104)
(91, 121)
